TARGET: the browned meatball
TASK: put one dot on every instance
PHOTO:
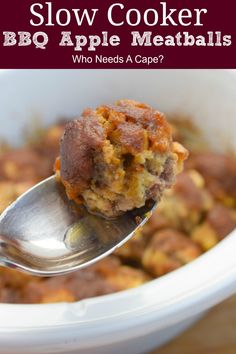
(120, 276)
(168, 250)
(23, 165)
(222, 220)
(219, 172)
(79, 285)
(219, 222)
(133, 249)
(117, 157)
(185, 204)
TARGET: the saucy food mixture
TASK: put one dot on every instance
(193, 216)
(117, 157)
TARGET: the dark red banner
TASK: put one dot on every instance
(118, 34)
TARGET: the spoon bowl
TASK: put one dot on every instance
(45, 234)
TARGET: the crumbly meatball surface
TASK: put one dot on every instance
(117, 157)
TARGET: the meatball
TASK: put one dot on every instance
(119, 276)
(117, 157)
(168, 250)
(219, 172)
(186, 203)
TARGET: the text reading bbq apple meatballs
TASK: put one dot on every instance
(117, 16)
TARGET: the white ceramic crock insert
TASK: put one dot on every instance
(136, 320)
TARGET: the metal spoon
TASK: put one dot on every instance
(45, 234)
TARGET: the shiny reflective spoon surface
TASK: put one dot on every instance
(45, 234)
